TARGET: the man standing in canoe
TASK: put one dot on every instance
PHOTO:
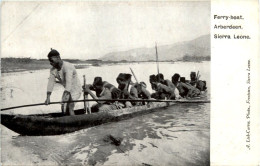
(66, 75)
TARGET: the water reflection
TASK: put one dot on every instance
(172, 131)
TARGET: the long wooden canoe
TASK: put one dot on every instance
(56, 123)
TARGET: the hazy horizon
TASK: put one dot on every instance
(89, 30)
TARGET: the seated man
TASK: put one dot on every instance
(98, 81)
(194, 81)
(139, 91)
(166, 82)
(164, 92)
(175, 79)
(201, 85)
(169, 84)
(124, 80)
(161, 91)
(153, 81)
(104, 94)
(185, 89)
(193, 78)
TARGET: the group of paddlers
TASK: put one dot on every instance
(65, 73)
(164, 89)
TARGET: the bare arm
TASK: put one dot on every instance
(106, 95)
(167, 90)
(133, 92)
(146, 93)
(51, 82)
(50, 86)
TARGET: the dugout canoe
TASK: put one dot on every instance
(56, 123)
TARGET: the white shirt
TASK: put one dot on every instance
(68, 77)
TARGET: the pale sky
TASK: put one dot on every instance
(86, 30)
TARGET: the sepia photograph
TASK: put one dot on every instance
(105, 83)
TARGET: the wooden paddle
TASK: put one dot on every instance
(134, 75)
(112, 100)
(157, 61)
(198, 76)
(86, 103)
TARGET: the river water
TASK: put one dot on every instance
(178, 135)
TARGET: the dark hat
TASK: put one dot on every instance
(123, 77)
(53, 53)
(182, 79)
(192, 73)
(153, 78)
(175, 78)
(193, 76)
(98, 81)
(160, 76)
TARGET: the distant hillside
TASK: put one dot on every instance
(199, 47)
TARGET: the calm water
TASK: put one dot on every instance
(178, 135)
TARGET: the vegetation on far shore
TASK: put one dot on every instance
(190, 58)
(25, 64)
(22, 64)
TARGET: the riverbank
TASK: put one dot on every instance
(9, 65)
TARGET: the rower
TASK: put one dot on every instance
(161, 91)
(169, 84)
(153, 81)
(166, 82)
(102, 92)
(193, 78)
(201, 85)
(124, 81)
(175, 79)
(194, 81)
(185, 89)
(192, 91)
(139, 91)
(114, 91)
